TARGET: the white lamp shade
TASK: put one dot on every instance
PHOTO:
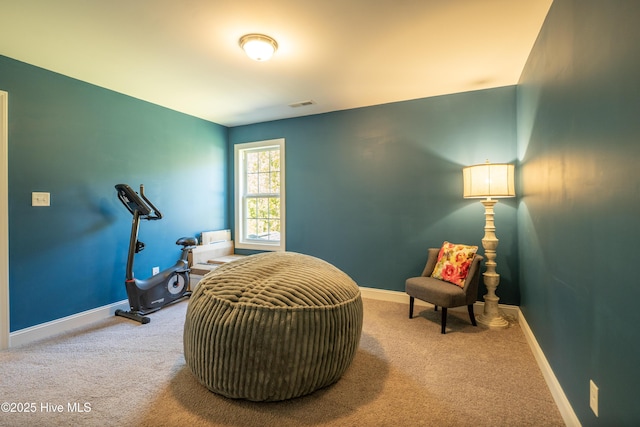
(489, 180)
(258, 47)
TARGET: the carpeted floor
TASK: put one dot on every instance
(118, 372)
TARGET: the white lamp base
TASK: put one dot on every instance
(491, 316)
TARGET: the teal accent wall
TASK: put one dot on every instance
(76, 141)
(578, 217)
(370, 189)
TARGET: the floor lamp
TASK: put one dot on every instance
(489, 181)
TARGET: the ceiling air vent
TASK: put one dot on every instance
(302, 104)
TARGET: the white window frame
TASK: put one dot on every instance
(241, 241)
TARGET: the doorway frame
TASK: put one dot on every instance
(4, 221)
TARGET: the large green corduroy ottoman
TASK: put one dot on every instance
(272, 326)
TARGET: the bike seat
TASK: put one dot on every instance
(187, 241)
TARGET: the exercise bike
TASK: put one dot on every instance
(159, 290)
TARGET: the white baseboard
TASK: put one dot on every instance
(568, 415)
(49, 329)
(395, 296)
(513, 311)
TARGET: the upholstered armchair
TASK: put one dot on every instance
(442, 293)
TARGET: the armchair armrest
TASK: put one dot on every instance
(432, 259)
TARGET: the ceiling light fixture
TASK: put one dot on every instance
(258, 46)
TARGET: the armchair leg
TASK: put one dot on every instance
(471, 315)
(444, 320)
(411, 301)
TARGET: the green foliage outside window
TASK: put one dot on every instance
(263, 194)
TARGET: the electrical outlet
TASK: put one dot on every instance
(156, 270)
(593, 397)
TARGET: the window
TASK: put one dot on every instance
(259, 195)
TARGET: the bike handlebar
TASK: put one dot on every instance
(155, 212)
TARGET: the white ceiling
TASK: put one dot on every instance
(184, 54)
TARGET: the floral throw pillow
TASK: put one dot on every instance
(453, 263)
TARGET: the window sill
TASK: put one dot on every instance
(261, 246)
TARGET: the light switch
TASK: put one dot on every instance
(40, 199)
